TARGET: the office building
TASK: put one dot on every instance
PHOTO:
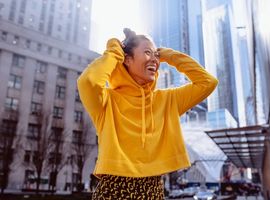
(43, 50)
(219, 55)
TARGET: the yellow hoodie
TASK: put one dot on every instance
(138, 127)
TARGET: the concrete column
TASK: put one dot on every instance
(49, 95)
(26, 94)
(66, 173)
(17, 176)
(70, 100)
(5, 65)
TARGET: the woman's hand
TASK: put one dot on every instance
(169, 56)
(163, 54)
(114, 47)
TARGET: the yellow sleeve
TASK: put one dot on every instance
(92, 81)
(202, 83)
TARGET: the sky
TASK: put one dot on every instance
(110, 17)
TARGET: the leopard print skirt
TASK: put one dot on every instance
(120, 188)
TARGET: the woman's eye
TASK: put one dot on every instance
(156, 54)
(148, 52)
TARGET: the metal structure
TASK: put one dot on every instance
(243, 146)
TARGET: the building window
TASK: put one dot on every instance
(36, 156)
(23, 6)
(59, 28)
(79, 59)
(9, 127)
(27, 156)
(32, 18)
(78, 116)
(15, 40)
(56, 134)
(20, 20)
(50, 25)
(4, 36)
(39, 47)
(39, 87)
(60, 92)
(36, 108)
(77, 96)
(18, 60)
(58, 112)
(33, 131)
(1, 6)
(61, 73)
(49, 50)
(12, 10)
(27, 43)
(11, 103)
(59, 53)
(69, 56)
(41, 67)
(55, 158)
(43, 12)
(77, 137)
(41, 26)
(15, 81)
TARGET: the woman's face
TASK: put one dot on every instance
(144, 64)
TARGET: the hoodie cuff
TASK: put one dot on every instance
(114, 48)
(173, 58)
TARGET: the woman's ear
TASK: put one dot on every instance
(127, 60)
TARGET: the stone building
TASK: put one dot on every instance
(43, 49)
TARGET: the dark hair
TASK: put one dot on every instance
(132, 40)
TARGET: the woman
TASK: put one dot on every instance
(138, 128)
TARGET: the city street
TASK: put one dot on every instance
(135, 94)
(224, 197)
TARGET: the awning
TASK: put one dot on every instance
(243, 146)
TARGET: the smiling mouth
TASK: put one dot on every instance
(151, 68)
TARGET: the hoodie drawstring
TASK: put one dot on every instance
(151, 107)
(143, 118)
(143, 115)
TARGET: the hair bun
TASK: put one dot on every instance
(129, 33)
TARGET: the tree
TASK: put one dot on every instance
(46, 140)
(56, 159)
(8, 128)
(38, 138)
(82, 148)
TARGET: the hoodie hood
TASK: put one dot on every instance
(122, 82)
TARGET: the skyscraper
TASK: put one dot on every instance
(242, 46)
(233, 55)
(219, 55)
(177, 25)
(261, 41)
(167, 22)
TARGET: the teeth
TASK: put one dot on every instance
(151, 68)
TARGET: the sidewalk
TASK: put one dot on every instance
(250, 198)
